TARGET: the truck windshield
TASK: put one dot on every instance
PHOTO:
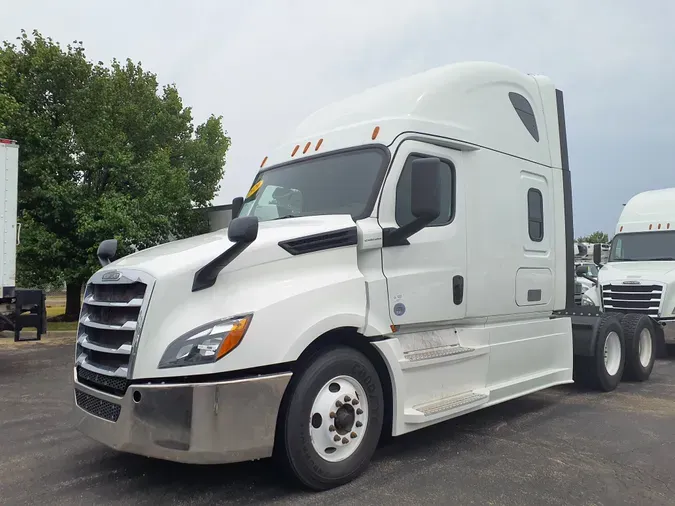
(340, 183)
(643, 247)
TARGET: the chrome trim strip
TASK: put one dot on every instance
(119, 372)
(83, 341)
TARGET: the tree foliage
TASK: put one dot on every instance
(595, 238)
(104, 152)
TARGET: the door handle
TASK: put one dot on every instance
(457, 289)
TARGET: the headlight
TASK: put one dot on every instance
(587, 301)
(206, 344)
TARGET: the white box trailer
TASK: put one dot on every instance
(358, 290)
(19, 308)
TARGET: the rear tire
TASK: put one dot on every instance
(640, 346)
(337, 394)
(603, 370)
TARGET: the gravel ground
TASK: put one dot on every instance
(561, 446)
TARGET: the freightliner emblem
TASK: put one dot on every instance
(111, 276)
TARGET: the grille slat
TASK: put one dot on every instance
(98, 407)
(633, 298)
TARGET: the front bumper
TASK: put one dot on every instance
(197, 423)
(668, 327)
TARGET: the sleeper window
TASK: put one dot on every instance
(535, 214)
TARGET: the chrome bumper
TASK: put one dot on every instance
(197, 423)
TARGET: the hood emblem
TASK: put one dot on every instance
(111, 276)
(631, 282)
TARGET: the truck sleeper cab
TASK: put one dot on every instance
(359, 291)
(639, 274)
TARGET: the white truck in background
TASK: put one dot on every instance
(19, 308)
(639, 275)
(357, 292)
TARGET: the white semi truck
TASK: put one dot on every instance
(20, 308)
(639, 276)
(358, 292)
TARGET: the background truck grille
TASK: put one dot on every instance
(98, 407)
(645, 299)
(105, 334)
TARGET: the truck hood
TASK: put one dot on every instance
(194, 252)
(646, 271)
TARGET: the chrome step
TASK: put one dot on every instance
(430, 353)
(454, 404)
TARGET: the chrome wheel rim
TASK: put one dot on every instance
(645, 347)
(612, 353)
(339, 419)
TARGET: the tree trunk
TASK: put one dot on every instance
(73, 301)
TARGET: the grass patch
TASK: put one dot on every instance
(56, 309)
(61, 326)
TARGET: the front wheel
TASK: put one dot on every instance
(331, 420)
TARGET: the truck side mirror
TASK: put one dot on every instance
(242, 232)
(597, 254)
(425, 195)
(243, 229)
(106, 251)
(237, 204)
(425, 200)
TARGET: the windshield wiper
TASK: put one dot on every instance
(661, 259)
(284, 217)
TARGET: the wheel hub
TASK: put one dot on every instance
(344, 418)
(339, 418)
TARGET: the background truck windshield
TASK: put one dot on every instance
(341, 183)
(643, 246)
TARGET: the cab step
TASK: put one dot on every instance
(452, 405)
(429, 356)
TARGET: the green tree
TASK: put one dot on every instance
(104, 152)
(595, 238)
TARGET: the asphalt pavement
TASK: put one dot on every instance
(563, 446)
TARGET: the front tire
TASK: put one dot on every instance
(331, 420)
(640, 346)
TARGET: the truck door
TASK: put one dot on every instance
(426, 279)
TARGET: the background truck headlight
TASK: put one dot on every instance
(206, 344)
(586, 300)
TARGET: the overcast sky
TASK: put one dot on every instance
(265, 64)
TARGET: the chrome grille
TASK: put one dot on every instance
(111, 314)
(633, 298)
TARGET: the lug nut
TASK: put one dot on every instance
(359, 411)
(338, 403)
(353, 435)
(331, 428)
(347, 398)
(359, 424)
(345, 440)
(336, 438)
(355, 402)
(332, 414)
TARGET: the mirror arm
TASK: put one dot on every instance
(399, 236)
